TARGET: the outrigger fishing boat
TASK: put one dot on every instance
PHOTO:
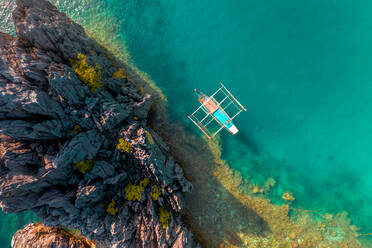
(216, 109)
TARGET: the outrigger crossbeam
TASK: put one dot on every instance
(215, 110)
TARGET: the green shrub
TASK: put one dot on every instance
(72, 231)
(87, 74)
(134, 192)
(111, 208)
(119, 74)
(123, 145)
(83, 166)
(164, 217)
(155, 193)
(149, 137)
(144, 182)
(76, 129)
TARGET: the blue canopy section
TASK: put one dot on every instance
(222, 118)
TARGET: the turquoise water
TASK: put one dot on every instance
(301, 68)
(10, 223)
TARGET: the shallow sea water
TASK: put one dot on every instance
(302, 70)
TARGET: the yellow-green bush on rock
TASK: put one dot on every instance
(87, 74)
(164, 217)
(83, 166)
(119, 74)
(149, 137)
(123, 145)
(155, 193)
(76, 129)
(111, 208)
(134, 192)
(144, 182)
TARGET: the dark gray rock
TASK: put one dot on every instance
(119, 178)
(66, 84)
(48, 129)
(83, 146)
(112, 114)
(101, 169)
(51, 121)
(88, 195)
(21, 101)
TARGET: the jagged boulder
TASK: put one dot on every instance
(40, 236)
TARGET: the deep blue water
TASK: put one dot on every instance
(301, 68)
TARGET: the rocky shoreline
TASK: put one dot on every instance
(75, 147)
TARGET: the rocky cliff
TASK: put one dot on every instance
(74, 145)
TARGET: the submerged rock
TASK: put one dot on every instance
(72, 137)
